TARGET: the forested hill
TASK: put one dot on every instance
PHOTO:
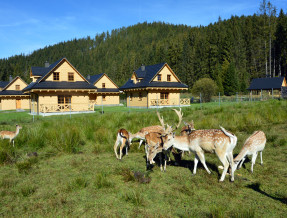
(229, 51)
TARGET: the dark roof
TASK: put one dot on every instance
(147, 75)
(266, 83)
(12, 92)
(42, 84)
(4, 84)
(42, 71)
(95, 78)
(59, 85)
(108, 90)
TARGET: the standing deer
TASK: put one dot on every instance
(10, 135)
(254, 144)
(154, 141)
(210, 140)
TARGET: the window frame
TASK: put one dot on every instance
(168, 78)
(71, 75)
(17, 87)
(56, 76)
(104, 97)
(103, 85)
(159, 77)
(164, 95)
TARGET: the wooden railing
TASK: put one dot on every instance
(48, 108)
(169, 102)
(185, 101)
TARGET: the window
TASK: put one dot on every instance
(56, 76)
(164, 95)
(70, 77)
(140, 96)
(104, 97)
(159, 77)
(64, 99)
(103, 85)
(168, 78)
(17, 87)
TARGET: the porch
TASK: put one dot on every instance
(169, 102)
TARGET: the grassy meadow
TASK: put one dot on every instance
(62, 166)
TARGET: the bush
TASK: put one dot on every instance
(206, 87)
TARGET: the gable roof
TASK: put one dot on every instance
(46, 71)
(4, 84)
(147, 74)
(95, 78)
(12, 81)
(266, 83)
(42, 71)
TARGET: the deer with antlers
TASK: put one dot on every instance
(254, 144)
(124, 138)
(154, 141)
(10, 135)
(216, 141)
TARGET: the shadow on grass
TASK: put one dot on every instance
(256, 187)
(189, 164)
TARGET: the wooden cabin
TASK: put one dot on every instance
(60, 87)
(108, 92)
(12, 96)
(153, 86)
(272, 85)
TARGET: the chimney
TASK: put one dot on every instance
(143, 67)
(10, 78)
(47, 64)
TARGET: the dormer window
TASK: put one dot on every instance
(103, 85)
(159, 77)
(168, 78)
(56, 76)
(71, 77)
(17, 87)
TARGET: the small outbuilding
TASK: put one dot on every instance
(269, 84)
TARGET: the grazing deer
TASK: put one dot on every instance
(210, 140)
(154, 141)
(123, 138)
(10, 135)
(254, 144)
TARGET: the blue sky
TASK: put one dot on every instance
(29, 25)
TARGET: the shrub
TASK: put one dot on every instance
(206, 87)
(135, 197)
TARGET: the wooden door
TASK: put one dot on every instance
(18, 103)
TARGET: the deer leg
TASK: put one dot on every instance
(241, 162)
(261, 160)
(116, 146)
(202, 160)
(231, 164)
(141, 141)
(121, 148)
(254, 156)
(224, 161)
(160, 161)
(195, 164)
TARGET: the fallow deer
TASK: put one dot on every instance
(254, 144)
(123, 138)
(10, 135)
(210, 140)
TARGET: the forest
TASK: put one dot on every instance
(231, 52)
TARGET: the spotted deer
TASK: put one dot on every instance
(123, 139)
(254, 144)
(216, 141)
(10, 135)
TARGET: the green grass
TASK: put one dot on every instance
(66, 167)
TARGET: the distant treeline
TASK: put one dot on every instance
(231, 52)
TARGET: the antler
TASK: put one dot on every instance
(179, 114)
(160, 119)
